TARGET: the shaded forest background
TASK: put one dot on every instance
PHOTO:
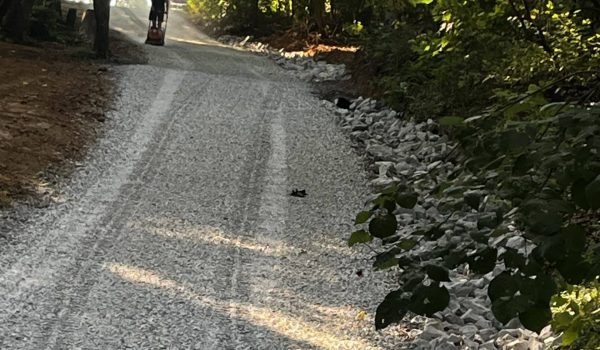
(25, 21)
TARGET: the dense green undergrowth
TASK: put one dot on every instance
(516, 84)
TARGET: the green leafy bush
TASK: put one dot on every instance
(527, 73)
(208, 9)
(355, 28)
(546, 167)
(576, 314)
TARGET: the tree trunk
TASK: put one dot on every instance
(254, 12)
(4, 6)
(317, 13)
(246, 13)
(102, 14)
(334, 9)
(17, 18)
(71, 18)
(14, 24)
(57, 6)
(298, 9)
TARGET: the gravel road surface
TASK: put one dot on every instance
(178, 231)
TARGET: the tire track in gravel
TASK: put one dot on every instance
(90, 259)
(273, 208)
(107, 191)
(221, 335)
(258, 167)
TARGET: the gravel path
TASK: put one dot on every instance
(178, 231)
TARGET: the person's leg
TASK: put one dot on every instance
(152, 17)
(158, 6)
(161, 17)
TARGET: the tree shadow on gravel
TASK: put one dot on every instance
(241, 322)
(273, 290)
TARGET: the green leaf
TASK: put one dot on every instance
(513, 259)
(484, 261)
(386, 260)
(552, 108)
(574, 269)
(391, 189)
(570, 335)
(437, 273)
(390, 205)
(552, 248)
(502, 286)
(536, 289)
(532, 88)
(495, 164)
(423, 2)
(475, 118)
(454, 259)
(410, 280)
(360, 236)
(562, 320)
(383, 226)
(578, 193)
(544, 223)
(499, 231)
(379, 202)
(592, 193)
(560, 206)
(513, 140)
(385, 201)
(506, 309)
(560, 300)
(502, 311)
(532, 268)
(391, 310)
(516, 109)
(545, 288)
(405, 261)
(363, 217)
(427, 300)
(407, 244)
(552, 161)
(575, 238)
(407, 200)
(473, 199)
(451, 121)
(536, 318)
(480, 236)
(522, 165)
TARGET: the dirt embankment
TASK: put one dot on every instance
(51, 104)
(332, 51)
(52, 101)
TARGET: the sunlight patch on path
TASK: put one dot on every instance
(170, 229)
(325, 336)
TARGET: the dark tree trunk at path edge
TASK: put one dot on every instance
(317, 13)
(102, 14)
(17, 18)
